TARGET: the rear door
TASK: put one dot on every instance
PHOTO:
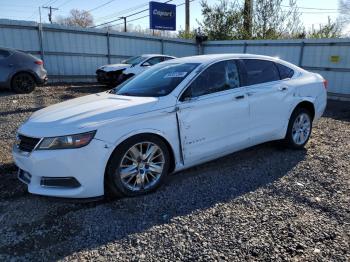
(6, 66)
(213, 113)
(269, 99)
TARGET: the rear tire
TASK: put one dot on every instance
(299, 128)
(23, 83)
(137, 166)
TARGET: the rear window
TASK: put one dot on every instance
(284, 71)
(4, 53)
(260, 71)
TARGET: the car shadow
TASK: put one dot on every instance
(87, 88)
(5, 92)
(65, 228)
(338, 110)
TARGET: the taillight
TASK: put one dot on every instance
(325, 83)
(39, 62)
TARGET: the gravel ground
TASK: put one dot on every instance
(264, 203)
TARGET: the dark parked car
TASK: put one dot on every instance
(20, 71)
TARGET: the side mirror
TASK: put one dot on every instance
(146, 64)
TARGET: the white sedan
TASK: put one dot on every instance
(114, 74)
(177, 114)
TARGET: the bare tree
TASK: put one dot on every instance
(344, 8)
(332, 29)
(76, 17)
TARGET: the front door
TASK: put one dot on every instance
(213, 114)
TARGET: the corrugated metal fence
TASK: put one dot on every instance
(329, 57)
(73, 54)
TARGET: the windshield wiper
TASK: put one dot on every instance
(125, 94)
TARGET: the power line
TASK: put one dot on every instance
(35, 12)
(122, 12)
(312, 8)
(97, 7)
(139, 12)
(64, 3)
(18, 6)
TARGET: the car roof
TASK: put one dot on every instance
(151, 55)
(207, 59)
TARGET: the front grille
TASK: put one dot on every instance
(27, 144)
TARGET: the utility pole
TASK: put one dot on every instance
(248, 18)
(124, 18)
(40, 14)
(50, 11)
(187, 17)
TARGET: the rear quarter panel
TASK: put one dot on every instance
(311, 88)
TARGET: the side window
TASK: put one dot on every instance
(155, 60)
(218, 77)
(166, 58)
(4, 53)
(285, 72)
(260, 71)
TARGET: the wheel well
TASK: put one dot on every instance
(24, 72)
(307, 105)
(170, 149)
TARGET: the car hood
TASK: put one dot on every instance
(84, 114)
(114, 67)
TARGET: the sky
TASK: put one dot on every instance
(314, 12)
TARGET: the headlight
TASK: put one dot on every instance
(66, 142)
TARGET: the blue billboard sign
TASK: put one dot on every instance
(162, 16)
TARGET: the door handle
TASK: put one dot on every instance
(250, 93)
(239, 97)
(283, 88)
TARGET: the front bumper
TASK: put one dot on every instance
(68, 173)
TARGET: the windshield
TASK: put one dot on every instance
(133, 60)
(160, 80)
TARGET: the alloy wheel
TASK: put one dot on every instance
(301, 128)
(142, 166)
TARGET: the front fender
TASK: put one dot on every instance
(143, 131)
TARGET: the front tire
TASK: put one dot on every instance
(137, 166)
(23, 83)
(299, 128)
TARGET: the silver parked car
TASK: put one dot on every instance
(21, 72)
